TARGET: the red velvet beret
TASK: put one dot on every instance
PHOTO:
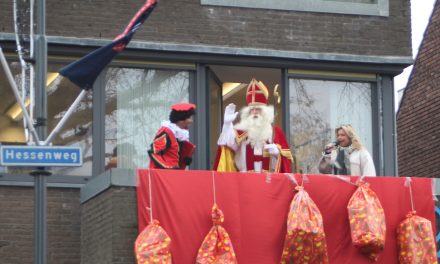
(183, 107)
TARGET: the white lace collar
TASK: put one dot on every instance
(179, 133)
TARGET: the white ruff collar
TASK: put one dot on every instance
(179, 133)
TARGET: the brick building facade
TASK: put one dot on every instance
(17, 225)
(189, 22)
(332, 67)
(418, 116)
(201, 48)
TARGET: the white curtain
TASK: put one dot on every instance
(143, 100)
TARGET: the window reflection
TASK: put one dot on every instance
(60, 95)
(317, 107)
(77, 131)
(137, 101)
(11, 123)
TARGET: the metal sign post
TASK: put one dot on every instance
(40, 186)
(42, 155)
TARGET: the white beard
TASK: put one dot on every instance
(259, 127)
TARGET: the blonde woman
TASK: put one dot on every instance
(347, 156)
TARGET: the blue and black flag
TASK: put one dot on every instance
(84, 71)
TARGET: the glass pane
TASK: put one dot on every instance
(77, 131)
(215, 117)
(137, 101)
(60, 95)
(11, 121)
(317, 107)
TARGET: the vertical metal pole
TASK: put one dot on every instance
(40, 188)
(200, 96)
(98, 126)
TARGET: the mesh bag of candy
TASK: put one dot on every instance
(415, 240)
(367, 221)
(153, 245)
(217, 246)
(305, 238)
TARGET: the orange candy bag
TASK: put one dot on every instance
(153, 245)
(367, 221)
(415, 240)
(305, 238)
(217, 246)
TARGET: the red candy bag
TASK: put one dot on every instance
(367, 221)
(305, 238)
(217, 246)
(153, 245)
(415, 240)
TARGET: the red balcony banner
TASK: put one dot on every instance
(255, 207)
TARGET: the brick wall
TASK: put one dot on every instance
(418, 120)
(109, 227)
(187, 21)
(17, 225)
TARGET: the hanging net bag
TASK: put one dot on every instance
(153, 243)
(367, 221)
(217, 246)
(305, 238)
(415, 238)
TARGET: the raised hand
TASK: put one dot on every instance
(230, 114)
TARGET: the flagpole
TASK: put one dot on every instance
(17, 95)
(66, 116)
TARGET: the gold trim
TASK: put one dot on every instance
(240, 138)
(257, 104)
(257, 92)
(287, 154)
(368, 76)
(278, 164)
(263, 88)
(262, 170)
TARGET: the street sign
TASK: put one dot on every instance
(40, 156)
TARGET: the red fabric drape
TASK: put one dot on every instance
(256, 206)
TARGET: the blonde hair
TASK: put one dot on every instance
(356, 142)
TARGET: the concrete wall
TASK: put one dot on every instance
(188, 22)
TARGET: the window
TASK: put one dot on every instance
(317, 107)
(358, 7)
(137, 101)
(228, 84)
(77, 131)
